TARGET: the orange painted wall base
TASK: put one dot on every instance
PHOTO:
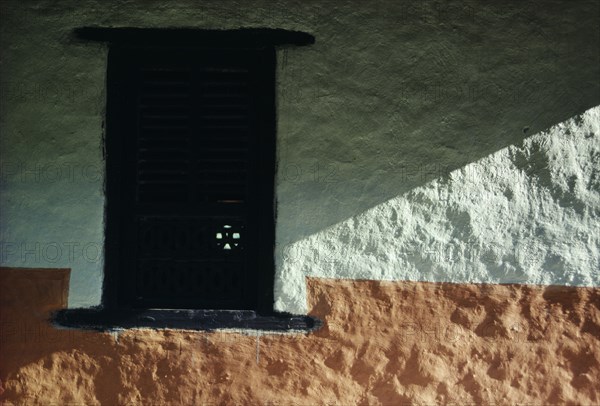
(383, 343)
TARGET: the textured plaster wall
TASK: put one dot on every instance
(383, 343)
(529, 213)
(393, 130)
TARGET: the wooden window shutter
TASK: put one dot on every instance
(196, 134)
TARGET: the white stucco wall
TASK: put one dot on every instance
(392, 98)
(529, 213)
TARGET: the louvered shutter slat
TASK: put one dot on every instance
(193, 218)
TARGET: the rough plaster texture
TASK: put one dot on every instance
(529, 213)
(383, 343)
(391, 92)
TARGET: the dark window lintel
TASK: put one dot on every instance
(153, 37)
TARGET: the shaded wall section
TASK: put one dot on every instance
(383, 343)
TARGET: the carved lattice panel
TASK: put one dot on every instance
(211, 280)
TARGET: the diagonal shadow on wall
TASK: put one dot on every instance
(362, 121)
(525, 214)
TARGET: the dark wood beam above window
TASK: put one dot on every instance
(153, 37)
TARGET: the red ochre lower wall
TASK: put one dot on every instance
(383, 343)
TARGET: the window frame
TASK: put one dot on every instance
(111, 314)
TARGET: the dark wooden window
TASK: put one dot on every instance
(191, 156)
(190, 162)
